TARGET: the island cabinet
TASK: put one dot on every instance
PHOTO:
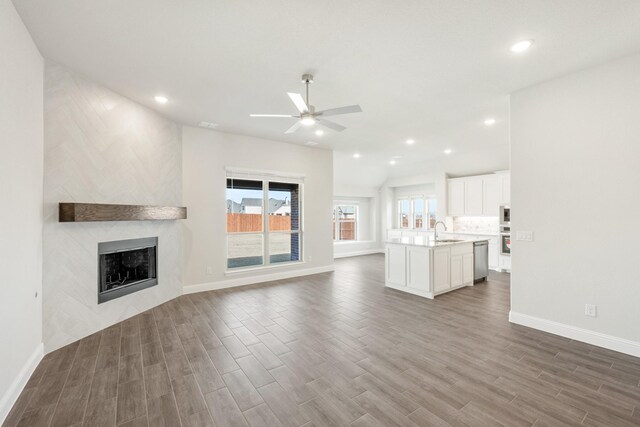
(428, 269)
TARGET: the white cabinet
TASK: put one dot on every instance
(491, 193)
(494, 254)
(441, 271)
(505, 263)
(395, 265)
(473, 195)
(467, 268)
(418, 268)
(479, 195)
(457, 278)
(455, 197)
(426, 270)
(461, 265)
(505, 187)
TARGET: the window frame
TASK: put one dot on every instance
(412, 211)
(336, 222)
(266, 257)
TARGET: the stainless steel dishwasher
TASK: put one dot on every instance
(480, 260)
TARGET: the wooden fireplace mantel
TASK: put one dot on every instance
(82, 212)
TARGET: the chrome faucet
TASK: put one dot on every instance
(435, 229)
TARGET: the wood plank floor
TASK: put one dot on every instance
(331, 349)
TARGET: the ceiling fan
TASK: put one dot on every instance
(308, 116)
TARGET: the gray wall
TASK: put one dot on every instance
(101, 147)
(575, 148)
(206, 154)
(21, 70)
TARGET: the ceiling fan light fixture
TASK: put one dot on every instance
(308, 121)
(521, 46)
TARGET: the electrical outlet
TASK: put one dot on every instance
(209, 270)
(525, 236)
(590, 310)
(309, 258)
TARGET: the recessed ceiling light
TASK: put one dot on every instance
(307, 121)
(312, 143)
(392, 162)
(319, 132)
(521, 46)
(490, 122)
(208, 125)
(410, 141)
(160, 99)
(448, 151)
(356, 155)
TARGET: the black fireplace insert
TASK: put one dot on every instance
(126, 266)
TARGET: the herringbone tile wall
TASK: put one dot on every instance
(101, 147)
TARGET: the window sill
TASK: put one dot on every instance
(352, 242)
(262, 268)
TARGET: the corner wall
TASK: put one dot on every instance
(205, 155)
(21, 136)
(103, 148)
(575, 148)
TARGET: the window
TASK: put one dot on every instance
(416, 212)
(263, 222)
(404, 209)
(345, 222)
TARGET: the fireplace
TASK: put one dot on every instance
(126, 266)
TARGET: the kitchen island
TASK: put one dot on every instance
(427, 267)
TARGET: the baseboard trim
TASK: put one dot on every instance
(358, 253)
(610, 342)
(11, 395)
(252, 280)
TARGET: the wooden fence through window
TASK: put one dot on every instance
(246, 223)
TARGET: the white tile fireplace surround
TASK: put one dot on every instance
(103, 148)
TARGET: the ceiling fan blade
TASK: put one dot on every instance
(299, 101)
(340, 110)
(293, 128)
(330, 124)
(271, 115)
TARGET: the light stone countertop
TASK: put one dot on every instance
(429, 243)
(470, 233)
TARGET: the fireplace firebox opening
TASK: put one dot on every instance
(126, 266)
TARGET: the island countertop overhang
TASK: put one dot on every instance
(429, 243)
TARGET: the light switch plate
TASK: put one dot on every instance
(524, 236)
(590, 310)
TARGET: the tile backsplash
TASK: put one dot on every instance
(473, 224)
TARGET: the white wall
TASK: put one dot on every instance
(205, 155)
(101, 147)
(574, 180)
(21, 146)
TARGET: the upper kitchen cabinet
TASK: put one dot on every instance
(504, 178)
(455, 197)
(473, 196)
(491, 193)
(479, 195)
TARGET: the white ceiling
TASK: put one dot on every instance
(431, 70)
